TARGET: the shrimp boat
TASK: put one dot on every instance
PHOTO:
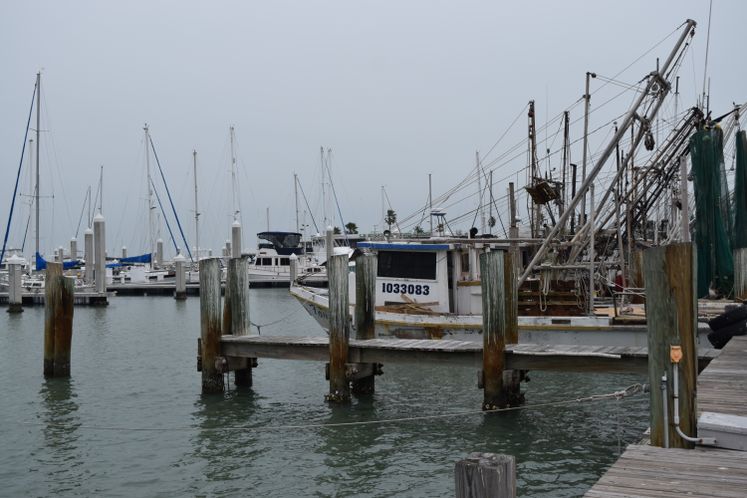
(576, 264)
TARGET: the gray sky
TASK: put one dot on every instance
(397, 90)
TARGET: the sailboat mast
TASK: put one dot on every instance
(151, 244)
(38, 123)
(101, 189)
(295, 197)
(233, 175)
(324, 197)
(197, 212)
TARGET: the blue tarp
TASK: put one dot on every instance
(41, 263)
(143, 258)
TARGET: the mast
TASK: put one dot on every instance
(587, 101)
(268, 218)
(235, 211)
(564, 166)
(197, 212)
(324, 197)
(101, 189)
(149, 183)
(536, 208)
(479, 192)
(430, 203)
(655, 80)
(38, 123)
(295, 192)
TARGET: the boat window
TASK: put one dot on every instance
(403, 264)
(465, 262)
(285, 262)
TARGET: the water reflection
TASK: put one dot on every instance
(59, 416)
(225, 449)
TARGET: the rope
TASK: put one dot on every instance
(617, 395)
(285, 317)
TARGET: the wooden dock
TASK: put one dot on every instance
(560, 357)
(648, 471)
(81, 298)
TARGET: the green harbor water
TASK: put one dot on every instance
(131, 420)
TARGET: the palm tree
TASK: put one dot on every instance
(351, 227)
(391, 218)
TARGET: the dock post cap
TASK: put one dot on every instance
(15, 260)
(98, 217)
(88, 231)
(179, 258)
(236, 223)
(293, 256)
(73, 239)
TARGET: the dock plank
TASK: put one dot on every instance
(518, 356)
(647, 471)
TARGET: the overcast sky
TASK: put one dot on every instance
(397, 90)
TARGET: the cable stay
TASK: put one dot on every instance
(18, 175)
(168, 192)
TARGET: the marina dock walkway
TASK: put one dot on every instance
(647, 471)
(558, 357)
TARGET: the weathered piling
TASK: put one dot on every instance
(60, 255)
(210, 326)
(73, 248)
(339, 329)
(329, 243)
(740, 273)
(15, 288)
(124, 252)
(58, 321)
(236, 239)
(99, 243)
(484, 475)
(363, 375)
(180, 291)
(236, 313)
(671, 314)
(88, 256)
(494, 319)
(512, 378)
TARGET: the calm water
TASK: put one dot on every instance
(132, 422)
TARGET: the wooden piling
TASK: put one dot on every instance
(210, 325)
(512, 378)
(58, 321)
(365, 304)
(740, 273)
(484, 475)
(494, 320)
(671, 314)
(339, 329)
(236, 311)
